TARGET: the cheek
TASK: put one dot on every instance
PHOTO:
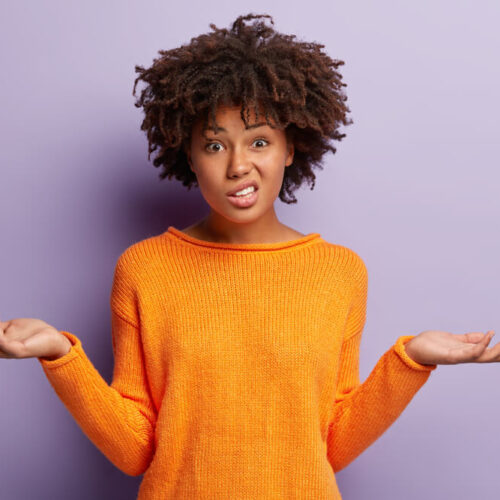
(211, 184)
(203, 171)
(272, 173)
(278, 182)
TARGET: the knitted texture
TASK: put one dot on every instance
(236, 369)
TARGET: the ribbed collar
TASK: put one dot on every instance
(297, 243)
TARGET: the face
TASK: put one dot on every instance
(224, 160)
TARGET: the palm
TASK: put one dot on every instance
(445, 348)
(26, 337)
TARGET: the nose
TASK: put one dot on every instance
(239, 163)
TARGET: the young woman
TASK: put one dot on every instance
(236, 340)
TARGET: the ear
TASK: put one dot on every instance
(291, 152)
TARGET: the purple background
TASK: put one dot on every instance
(413, 189)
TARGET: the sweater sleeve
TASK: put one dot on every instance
(363, 412)
(118, 418)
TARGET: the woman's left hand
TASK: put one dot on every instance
(434, 347)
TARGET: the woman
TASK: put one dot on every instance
(236, 340)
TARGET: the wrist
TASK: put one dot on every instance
(407, 348)
(62, 351)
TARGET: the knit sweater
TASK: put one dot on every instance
(236, 369)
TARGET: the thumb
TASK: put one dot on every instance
(4, 325)
(476, 337)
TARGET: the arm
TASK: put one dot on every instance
(119, 418)
(363, 412)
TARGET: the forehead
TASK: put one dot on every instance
(229, 117)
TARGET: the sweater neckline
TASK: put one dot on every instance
(290, 244)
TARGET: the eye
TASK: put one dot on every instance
(260, 140)
(207, 147)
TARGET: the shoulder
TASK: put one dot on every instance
(348, 262)
(136, 257)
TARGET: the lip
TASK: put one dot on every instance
(245, 201)
(244, 185)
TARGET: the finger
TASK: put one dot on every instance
(472, 337)
(480, 352)
(487, 338)
(2, 353)
(488, 353)
(471, 352)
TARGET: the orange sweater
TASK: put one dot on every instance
(236, 370)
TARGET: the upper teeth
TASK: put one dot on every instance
(245, 191)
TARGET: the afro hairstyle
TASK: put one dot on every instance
(294, 81)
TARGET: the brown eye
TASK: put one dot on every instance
(207, 147)
(260, 140)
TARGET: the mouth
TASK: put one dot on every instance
(243, 187)
(245, 200)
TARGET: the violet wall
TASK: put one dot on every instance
(413, 189)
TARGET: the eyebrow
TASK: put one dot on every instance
(255, 125)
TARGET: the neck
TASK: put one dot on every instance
(264, 230)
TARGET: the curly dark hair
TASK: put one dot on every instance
(249, 65)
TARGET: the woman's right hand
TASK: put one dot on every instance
(31, 338)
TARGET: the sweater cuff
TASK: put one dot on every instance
(71, 354)
(401, 351)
